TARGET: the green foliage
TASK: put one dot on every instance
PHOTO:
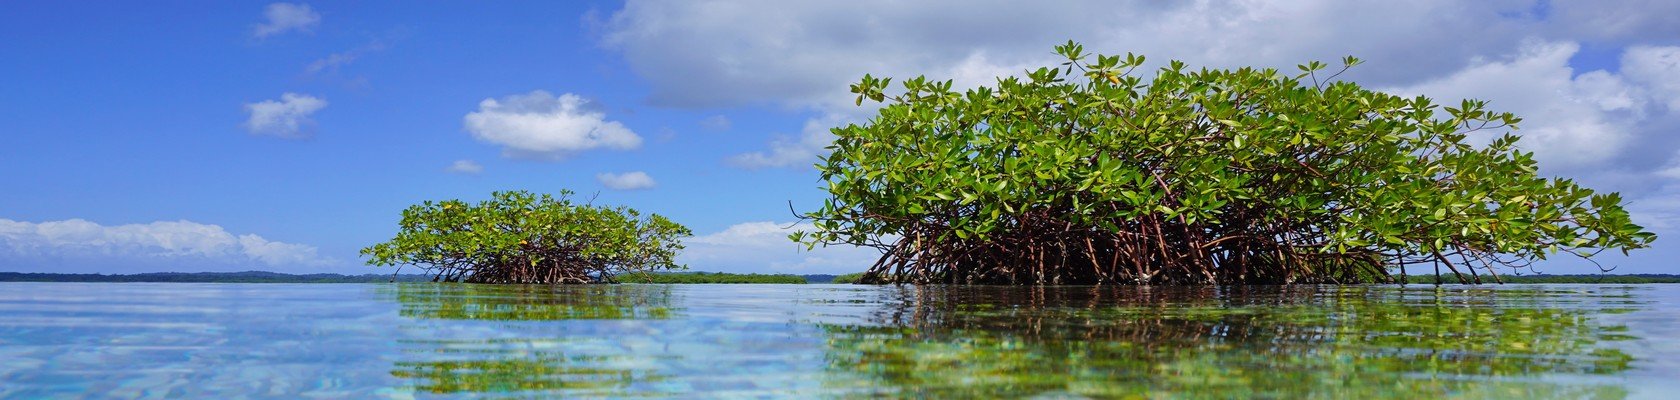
(849, 278)
(520, 237)
(710, 277)
(1086, 173)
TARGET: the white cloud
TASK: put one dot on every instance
(764, 247)
(1616, 21)
(465, 167)
(278, 253)
(289, 117)
(285, 17)
(1569, 121)
(703, 54)
(799, 151)
(332, 62)
(540, 125)
(1671, 170)
(716, 54)
(163, 241)
(1658, 70)
(635, 180)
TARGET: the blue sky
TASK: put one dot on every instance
(155, 136)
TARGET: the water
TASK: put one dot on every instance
(133, 340)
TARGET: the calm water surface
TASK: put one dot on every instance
(134, 340)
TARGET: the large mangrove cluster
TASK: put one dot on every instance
(520, 237)
(1087, 173)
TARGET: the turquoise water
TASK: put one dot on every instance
(136, 340)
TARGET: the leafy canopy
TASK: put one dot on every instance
(1087, 173)
(520, 237)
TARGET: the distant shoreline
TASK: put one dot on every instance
(276, 277)
(674, 277)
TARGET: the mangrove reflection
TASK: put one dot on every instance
(533, 302)
(524, 344)
(1246, 342)
(1014, 342)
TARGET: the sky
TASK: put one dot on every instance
(284, 136)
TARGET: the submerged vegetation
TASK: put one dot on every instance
(1088, 173)
(1303, 341)
(1238, 342)
(520, 237)
(473, 364)
(532, 302)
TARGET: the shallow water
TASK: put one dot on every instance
(137, 340)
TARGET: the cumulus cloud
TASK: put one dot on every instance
(166, 243)
(718, 54)
(1616, 21)
(635, 180)
(764, 247)
(540, 125)
(715, 53)
(280, 18)
(290, 117)
(465, 167)
(706, 54)
(789, 151)
(1658, 70)
(1569, 121)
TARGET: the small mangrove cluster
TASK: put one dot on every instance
(520, 237)
(1087, 173)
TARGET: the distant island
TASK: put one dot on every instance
(275, 277)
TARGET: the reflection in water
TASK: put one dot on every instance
(533, 302)
(217, 341)
(528, 358)
(965, 342)
(505, 373)
(1338, 342)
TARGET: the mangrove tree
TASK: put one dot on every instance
(521, 237)
(1089, 173)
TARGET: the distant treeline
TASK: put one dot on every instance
(848, 278)
(708, 277)
(1599, 278)
(211, 277)
(275, 277)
